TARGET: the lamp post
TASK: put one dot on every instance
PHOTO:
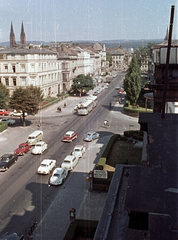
(91, 181)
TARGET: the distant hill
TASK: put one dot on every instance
(108, 43)
(129, 43)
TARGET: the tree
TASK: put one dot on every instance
(132, 81)
(109, 58)
(4, 96)
(143, 53)
(82, 84)
(26, 100)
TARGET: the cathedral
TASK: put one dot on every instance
(12, 37)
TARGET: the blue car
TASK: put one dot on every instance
(90, 136)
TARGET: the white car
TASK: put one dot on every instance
(79, 150)
(39, 148)
(70, 162)
(8, 121)
(17, 113)
(58, 176)
(46, 166)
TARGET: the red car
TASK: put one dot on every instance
(22, 149)
(4, 112)
(120, 91)
(69, 136)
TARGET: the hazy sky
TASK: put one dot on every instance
(69, 20)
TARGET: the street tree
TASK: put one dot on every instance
(26, 100)
(4, 96)
(133, 81)
(109, 58)
(82, 84)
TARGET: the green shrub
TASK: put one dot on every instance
(127, 103)
(3, 126)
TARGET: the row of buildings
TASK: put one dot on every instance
(54, 68)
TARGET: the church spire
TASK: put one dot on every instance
(12, 37)
(22, 35)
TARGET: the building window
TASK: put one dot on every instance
(7, 81)
(6, 68)
(0, 80)
(14, 82)
(13, 68)
(22, 68)
(23, 82)
(32, 68)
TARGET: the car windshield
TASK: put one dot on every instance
(21, 146)
(77, 150)
(88, 135)
(38, 145)
(66, 161)
(4, 159)
(67, 135)
(44, 165)
(56, 175)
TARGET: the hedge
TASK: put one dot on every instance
(84, 229)
(135, 134)
(103, 159)
(3, 126)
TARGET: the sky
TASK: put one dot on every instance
(90, 20)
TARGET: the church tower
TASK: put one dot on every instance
(22, 35)
(12, 37)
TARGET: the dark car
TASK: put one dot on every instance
(22, 149)
(12, 236)
(7, 160)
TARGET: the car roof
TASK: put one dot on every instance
(69, 157)
(58, 170)
(7, 155)
(42, 142)
(78, 146)
(23, 144)
(69, 132)
(90, 132)
(47, 160)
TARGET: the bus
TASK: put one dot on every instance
(87, 105)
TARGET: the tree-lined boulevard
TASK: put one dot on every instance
(25, 195)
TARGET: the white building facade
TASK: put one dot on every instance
(25, 67)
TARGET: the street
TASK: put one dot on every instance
(26, 196)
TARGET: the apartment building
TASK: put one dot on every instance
(157, 67)
(23, 67)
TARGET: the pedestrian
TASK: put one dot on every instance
(64, 104)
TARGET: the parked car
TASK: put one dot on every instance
(17, 113)
(46, 166)
(58, 176)
(7, 160)
(39, 148)
(70, 162)
(22, 149)
(90, 136)
(79, 150)
(118, 87)
(8, 121)
(4, 112)
(69, 136)
(120, 91)
(95, 93)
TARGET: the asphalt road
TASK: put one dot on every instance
(25, 196)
